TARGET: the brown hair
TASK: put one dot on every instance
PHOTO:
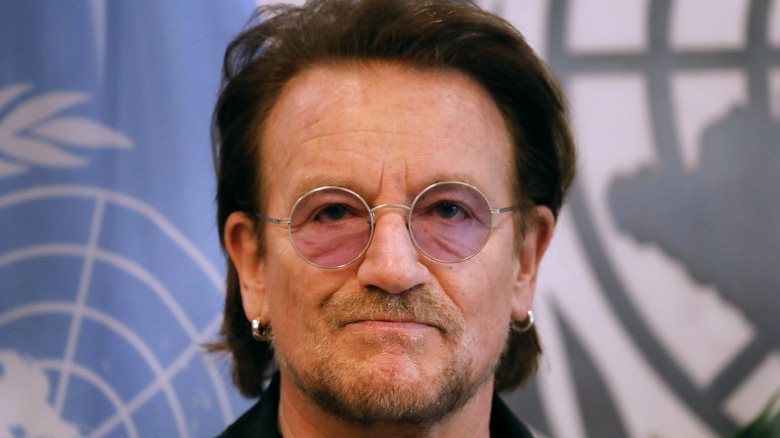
(427, 34)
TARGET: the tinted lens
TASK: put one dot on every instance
(330, 227)
(450, 222)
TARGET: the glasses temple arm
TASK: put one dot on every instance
(504, 210)
(285, 220)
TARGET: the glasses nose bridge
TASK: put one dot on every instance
(406, 208)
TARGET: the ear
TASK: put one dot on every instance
(242, 246)
(537, 239)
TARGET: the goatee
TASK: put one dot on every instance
(364, 393)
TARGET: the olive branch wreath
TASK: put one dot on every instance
(33, 132)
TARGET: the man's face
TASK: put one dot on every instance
(394, 336)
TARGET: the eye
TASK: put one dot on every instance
(447, 210)
(331, 213)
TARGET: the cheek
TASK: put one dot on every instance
(494, 313)
(284, 296)
(295, 290)
(482, 291)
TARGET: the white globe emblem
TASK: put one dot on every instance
(100, 337)
(655, 303)
(103, 337)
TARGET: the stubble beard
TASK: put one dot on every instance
(363, 394)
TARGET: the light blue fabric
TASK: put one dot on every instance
(110, 271)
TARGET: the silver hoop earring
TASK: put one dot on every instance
(261, 333)
(524, 325)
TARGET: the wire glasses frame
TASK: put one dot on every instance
(430, 228)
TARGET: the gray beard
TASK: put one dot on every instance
(366, 396)
(358, 399)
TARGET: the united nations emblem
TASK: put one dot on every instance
(658, 301)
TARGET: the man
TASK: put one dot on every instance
(389, 174)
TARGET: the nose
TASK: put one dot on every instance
(392, 263)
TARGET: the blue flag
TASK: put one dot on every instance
(110, 272)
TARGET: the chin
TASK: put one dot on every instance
(386, 388)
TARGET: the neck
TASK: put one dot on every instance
(300, 417)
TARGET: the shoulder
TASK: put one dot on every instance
(504, 423)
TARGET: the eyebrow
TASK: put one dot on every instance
(457, 176)
(313, 182)
(310, 183)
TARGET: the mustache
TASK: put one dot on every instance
(418, 304)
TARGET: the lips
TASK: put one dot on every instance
(395, 321)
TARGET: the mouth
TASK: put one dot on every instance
(393, 324)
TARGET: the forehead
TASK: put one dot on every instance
(367, 124)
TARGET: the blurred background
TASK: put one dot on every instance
(657, 304)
